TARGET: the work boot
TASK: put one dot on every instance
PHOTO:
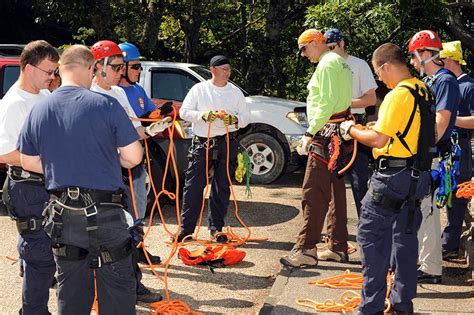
(155, 260)
(424, 277)
(301, 258)
(147, 296)
(181, 236)
(221, 238)
(332, 255)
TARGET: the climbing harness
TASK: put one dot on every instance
(445, 175)
(212, 256)
(328, 147)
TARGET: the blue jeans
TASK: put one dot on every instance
(139, 189)
(384, 242)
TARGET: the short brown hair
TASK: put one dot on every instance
(37, 51)
(77, 54)
(388, 53)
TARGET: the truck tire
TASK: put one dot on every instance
(267, 156)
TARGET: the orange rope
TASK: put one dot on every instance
(349, 300)
(354, 152)
(11, 260)
(95, 304)
(465, 190)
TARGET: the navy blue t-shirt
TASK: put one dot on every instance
(76, 133)
(446, 91)
(137, 97)
(466, 108)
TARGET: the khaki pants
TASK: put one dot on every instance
(323, 190)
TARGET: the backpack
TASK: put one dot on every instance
(425, 101)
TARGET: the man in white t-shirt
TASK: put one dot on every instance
(109, 68)
(363, 95)
(219, 103)
(24, 192)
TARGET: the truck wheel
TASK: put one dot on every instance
(267, 156)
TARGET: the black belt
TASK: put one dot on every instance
(387, 163)
(28, 224)
(17, 173)
(232, 135)
(106, 255)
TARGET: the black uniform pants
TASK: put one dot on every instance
(196, 182)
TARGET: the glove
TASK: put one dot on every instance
(344, 128)
(157, 127)
(302, 149)
(230, 119)
(209, 116)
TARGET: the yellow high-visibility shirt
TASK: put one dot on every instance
(393, 117)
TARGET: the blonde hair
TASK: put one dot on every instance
(76, 55)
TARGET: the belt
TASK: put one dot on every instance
(386, 163)
(28, 224)
(343, 114)
(232, 135)
(19, 174)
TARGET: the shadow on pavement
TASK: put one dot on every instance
(270, 245)
(281, 309)
(252, 213)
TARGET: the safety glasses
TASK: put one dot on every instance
(116, 67)
(303, 48)
(136, 67)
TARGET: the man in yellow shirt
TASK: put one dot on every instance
(390, 208)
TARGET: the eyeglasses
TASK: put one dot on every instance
(303, 48)
(49, 72)
(136, 66)
(116, 67)
(56, 72)
(377, 71)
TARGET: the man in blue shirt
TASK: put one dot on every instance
(452, 57)
(73, 137)
(424, 48)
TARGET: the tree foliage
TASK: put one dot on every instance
(258, 36)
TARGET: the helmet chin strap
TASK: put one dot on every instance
(125, 76)
(424, 62)
(103, 74)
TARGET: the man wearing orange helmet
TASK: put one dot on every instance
(330, 96)
(424, 48)
(109, 68)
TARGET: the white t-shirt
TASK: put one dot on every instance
(204, 97)
(362, 79)
(120, 95)
(14, 109)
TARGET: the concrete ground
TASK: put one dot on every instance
(273, 212)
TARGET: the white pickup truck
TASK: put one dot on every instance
(271, 137)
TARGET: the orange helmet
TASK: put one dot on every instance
(425, 40)
(105, 48)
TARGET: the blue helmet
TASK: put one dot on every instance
(130, 52)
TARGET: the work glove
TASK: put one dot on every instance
(344, 129)
(209, 116)
(230, 119)
(157, 127)
(302, 148)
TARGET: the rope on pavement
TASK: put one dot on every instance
(465, 190)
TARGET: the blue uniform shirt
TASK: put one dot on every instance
(466, 86)
(446, 91)
(140, 102)
(76, 133)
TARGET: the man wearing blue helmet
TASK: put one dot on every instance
(141, 105)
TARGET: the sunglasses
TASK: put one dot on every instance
(303, 48)
(49, 72)
(136, 67)
(116, 67)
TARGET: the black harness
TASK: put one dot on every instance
(80, 201)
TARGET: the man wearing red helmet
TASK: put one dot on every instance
(424, 48)
(109, 68)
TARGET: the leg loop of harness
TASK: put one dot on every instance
(28, 224)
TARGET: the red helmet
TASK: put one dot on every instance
(105, 48)
(425, 40)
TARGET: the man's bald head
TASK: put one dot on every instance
(76, 55)
(76, 66)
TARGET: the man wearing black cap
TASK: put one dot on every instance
(221, 104)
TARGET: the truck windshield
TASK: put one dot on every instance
(206, 74)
